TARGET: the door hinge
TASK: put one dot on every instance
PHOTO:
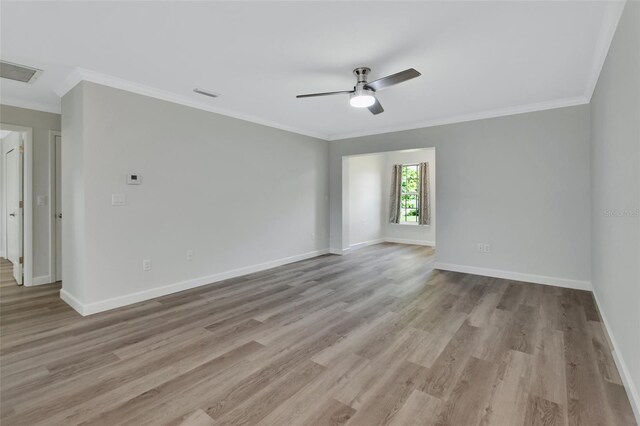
(21, 149)
(21, 260)
(21, 204)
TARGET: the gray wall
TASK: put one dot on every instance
(42, 123)
(236, 193)
(74, 260)
(615, 180)
(520, 183)
(364, 189)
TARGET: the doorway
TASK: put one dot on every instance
(14, 209)
(367, 186)
(15, 201)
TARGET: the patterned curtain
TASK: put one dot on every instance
(396, 190)
(424, 217)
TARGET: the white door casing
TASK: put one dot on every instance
(58, 206)
(14, 212)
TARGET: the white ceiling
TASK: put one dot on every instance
(477, 59)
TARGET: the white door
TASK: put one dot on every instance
(58, 148)
(14, 210)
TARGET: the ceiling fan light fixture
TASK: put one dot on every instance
(363, 94)
(362, 98)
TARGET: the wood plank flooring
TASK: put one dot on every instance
(373, 337)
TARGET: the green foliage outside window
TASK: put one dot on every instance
(409, 198)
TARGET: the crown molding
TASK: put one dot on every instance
(607, 33)
(69, 82)
(500, 112)
(80, 74)
(36, 106)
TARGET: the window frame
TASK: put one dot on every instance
(403, 210)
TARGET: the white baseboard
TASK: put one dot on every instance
(516, 276)
(366, 243)
(72, 301)
(128, 299)
(43, 279)
(407, 241)
(632, 390)
(345, 250)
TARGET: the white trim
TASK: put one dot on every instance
(413, 242)
(69, 82)
(607, 33)
(516, 276)
(381, 240)
(140, 296)
(629, 386)
(27, 198)
(42, 279)
(52, 203)
(36, 106)
(365, 243)
(499, 112)
(390, 240)
(81, 74)
(72, 301)
(28, 208)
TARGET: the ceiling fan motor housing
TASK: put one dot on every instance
(361, 90)
(362, 73)
(362, 96)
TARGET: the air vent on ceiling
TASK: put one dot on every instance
(205, 92)
(17, 72)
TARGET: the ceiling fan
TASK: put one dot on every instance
(363, 94)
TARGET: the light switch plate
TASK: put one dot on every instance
(41, 200)
(118, 200)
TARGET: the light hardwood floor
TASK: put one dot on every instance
(373, 337)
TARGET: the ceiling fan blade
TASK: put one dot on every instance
(376, 108)
(311, 95)
(390, 80)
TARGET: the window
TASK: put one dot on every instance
(409, 196)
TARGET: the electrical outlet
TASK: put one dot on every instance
(483, 247)
(146, 265)
(189, 254)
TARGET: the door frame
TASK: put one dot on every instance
(27, 197)
(53, 235)
(344, 232)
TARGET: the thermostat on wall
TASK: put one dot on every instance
(134, 179)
